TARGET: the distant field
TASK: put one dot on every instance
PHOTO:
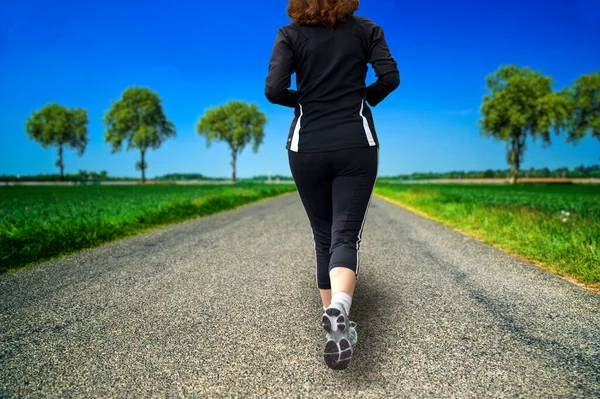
(40, 223)
(556, 226)
(498, 180)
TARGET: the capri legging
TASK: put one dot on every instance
(336, 188)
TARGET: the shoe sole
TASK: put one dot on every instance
(338, 351)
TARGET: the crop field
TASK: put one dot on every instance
(555, 226)
(41, 223)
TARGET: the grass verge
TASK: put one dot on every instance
(43, 223)
(556, 228)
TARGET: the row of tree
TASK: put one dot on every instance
(520, 103)
(592, 171)
(582, 171)
(81, 176)
(138, 120)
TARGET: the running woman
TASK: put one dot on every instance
(332, 144)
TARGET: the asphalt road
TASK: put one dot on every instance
(227, 306)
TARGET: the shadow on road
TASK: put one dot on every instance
(370, 305)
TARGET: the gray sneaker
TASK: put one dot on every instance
(353, 334)
(338, 348)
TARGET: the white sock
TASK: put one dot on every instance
(343, 299)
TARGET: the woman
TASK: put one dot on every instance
(332, 145)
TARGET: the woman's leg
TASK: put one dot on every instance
(342, 280)
(355, 174)
(312, 176)
(325, 297)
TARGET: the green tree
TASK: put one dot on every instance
(139, 119)
(60, 126)
(584, 99)
(520, 103)
(236, 123)
(83, 175)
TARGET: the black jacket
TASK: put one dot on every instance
(331, 67)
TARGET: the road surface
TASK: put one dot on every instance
(227, 306)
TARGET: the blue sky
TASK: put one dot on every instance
(199, 54)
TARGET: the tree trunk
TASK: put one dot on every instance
(515, 157)
(233, 162)
(514, 169)
(143, 167)
(60, 162)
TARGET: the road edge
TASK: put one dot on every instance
(141, 231)
(540, 265)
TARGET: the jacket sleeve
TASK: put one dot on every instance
(281, 67)
(386, 69)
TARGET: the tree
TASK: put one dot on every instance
(584, 99)
(83, 175)
(236, 123)
(57, 125)
(139, 119)
(519, 103)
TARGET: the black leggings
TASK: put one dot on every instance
(336, 188)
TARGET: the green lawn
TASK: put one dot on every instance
(555, 226)
(44, 222)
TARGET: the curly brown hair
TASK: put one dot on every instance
(317, 12)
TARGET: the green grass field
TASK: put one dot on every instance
(44, 222)
(555, 226)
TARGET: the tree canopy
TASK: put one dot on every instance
(520, 103)
(237, 124)
(584, 99)
(58, 126)
(137, 118)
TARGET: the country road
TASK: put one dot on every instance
(227, 306)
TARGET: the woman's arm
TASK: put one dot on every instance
(281, 67)
(386, 69)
